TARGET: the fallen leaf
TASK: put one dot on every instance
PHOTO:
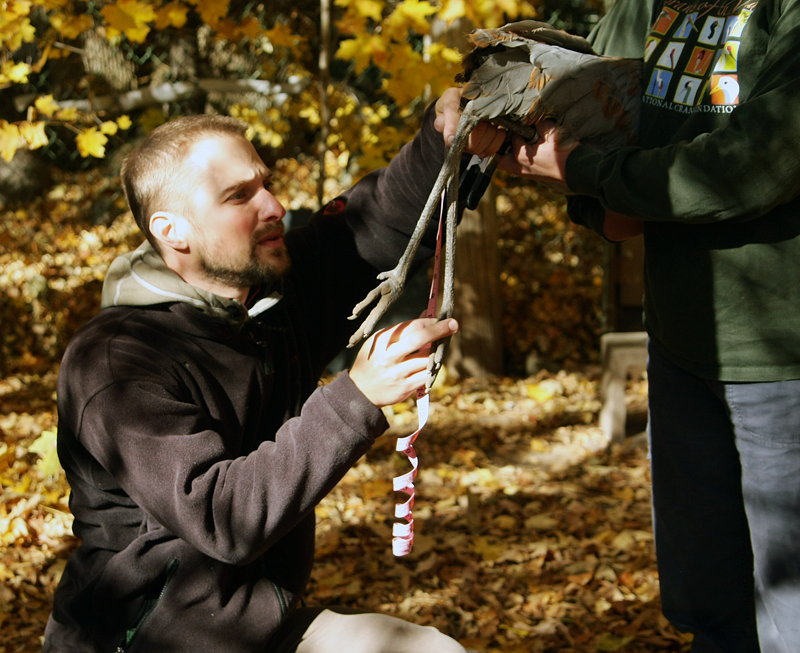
(45, 446)
(609, 642)
(487, 550)
(541, 522)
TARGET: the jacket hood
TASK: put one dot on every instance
(142, 278)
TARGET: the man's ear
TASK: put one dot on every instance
(170, 229)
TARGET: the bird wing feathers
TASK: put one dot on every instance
(525, 72)
(531, 30)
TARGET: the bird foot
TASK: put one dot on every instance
(386, 292)
(435, 361)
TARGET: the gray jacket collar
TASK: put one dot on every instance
(142, 278)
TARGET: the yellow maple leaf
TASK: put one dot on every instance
(251, 28)
(403, 59)
(408, 74)
(14, 30)
(9, 140)
(33, 133)
(368, 8)
(71, 27)
(452, 9)
(440, 51)
(91, 142)
(402, 92)
(14, 73)
(109, 127)
(493, 13)
(486, 13)
(28, 31)
(16, 8)
(443, 64)
(499, 12)
(351, 23)
(46, 105)
(363, 49)
(128, 17)
(171, 15)
(282, 35)
(226, 29)
(19, 73)
(411, 14)
(69, 113)
(124, 122)
(212, 11)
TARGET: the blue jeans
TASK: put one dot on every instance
(726, 508)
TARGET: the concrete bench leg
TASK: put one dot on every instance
(620, 352)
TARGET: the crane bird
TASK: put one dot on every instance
(515, 76)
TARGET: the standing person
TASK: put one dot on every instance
(714, 185)
(192, 429)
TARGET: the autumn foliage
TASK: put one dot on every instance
(532, 536)
(388, 63)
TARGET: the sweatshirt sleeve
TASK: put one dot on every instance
(169, 457)
(620, 33)
(339, 254)
(740, 170)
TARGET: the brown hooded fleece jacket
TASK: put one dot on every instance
(197, 442)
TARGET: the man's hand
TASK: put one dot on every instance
(484, 140)
(543, 161)
(389, 366)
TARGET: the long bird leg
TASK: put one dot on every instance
(392, 281)
(455, 196)
(436, 357)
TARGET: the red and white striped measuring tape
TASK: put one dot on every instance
(403, 532)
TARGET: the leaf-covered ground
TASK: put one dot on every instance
(532, 535)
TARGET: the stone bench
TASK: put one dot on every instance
(619, 353)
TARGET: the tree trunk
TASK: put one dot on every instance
(477, 349)
(324, 106)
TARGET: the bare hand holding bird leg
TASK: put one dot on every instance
(389, 366)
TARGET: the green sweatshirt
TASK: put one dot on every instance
(715, 179)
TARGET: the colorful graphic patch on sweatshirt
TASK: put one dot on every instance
(693, 55)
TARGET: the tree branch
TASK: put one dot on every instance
(174, 91)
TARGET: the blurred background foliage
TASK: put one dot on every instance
(330, 91)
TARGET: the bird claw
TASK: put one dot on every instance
(435, 361)
(388, 291)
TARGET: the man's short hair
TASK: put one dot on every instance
(151, 175)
